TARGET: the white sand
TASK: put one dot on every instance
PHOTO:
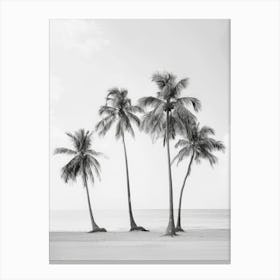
(193, 246)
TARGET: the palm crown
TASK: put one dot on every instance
(168, 100)
(119, 110)
(84, 159)
(198, 141)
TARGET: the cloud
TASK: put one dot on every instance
(83, 36)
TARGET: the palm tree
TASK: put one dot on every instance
(198, 144)
(119, 110)
(166, 118)
(82, 163)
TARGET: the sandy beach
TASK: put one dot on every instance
(193, 246)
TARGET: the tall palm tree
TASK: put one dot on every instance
(166, 117)
(119, 110)
(82, 163)
(197, 144)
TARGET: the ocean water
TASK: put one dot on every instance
(154, 219)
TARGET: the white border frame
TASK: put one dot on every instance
(254, 142)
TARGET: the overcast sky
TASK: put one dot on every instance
(87, 57)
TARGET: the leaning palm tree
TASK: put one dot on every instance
(168, 113)
(82, 163)
(119, 110)
(197, 144)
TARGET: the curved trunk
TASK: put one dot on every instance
(178, 225)
(132, 222)
(93, 224)
(171, 226)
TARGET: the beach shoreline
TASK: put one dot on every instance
(195, 246)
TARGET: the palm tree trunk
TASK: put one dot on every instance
(132, 222)
(178, 225)
(171, 226)
(93, 224)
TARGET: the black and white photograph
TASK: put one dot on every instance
(139, 141)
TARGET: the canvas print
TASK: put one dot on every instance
(139, 141)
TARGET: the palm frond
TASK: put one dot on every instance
(125, 104)
(71, 169)
(107, 110)
(94, 153)
(113, 97)
(64, 151)
(103, 126)
(152, 122)
(124, 93)
(127, 125)
(174, 127)
(90, 174)
(210, 157)
(185, 119)
(206, 130)
(74, 140)
(196, 104)
(112, 92)
(150, 101)
(197, 157)
(135, 109)
(93, 162)
(83, 171)
(180, 86)
(181, 142)
(216, 145)
(184, 152)
(80, 136)
(134, 118)
(119, 129)
(85, 141)
(159, 79)
(166, 83)
(219, 146)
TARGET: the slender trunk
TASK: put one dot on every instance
(171, 226)
(178, 225)
(132, 222)
(93, 224)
